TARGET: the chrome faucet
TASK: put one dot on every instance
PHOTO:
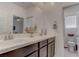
(45, 32)
(41, 32)
(8, 36)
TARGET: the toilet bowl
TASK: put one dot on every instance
(71, 46)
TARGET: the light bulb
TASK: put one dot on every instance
(18, 19)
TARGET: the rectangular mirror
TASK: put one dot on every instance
(18, 24)
(3, 25)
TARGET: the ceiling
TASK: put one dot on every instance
(66, 4)
(30, 4)
(24, 4)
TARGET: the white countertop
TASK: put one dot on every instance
(9, 45)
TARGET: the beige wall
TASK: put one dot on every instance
(7, 10)
(60, 32)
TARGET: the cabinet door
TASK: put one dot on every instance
(51, 50)
(43, 43)
(35, 54)
(29, 49)
(43, 52)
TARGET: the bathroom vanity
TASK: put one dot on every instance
(40, 46)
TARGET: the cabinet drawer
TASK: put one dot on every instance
(35, 54)
(21, 52)
(51, 39)
(51, 50)
(43, 43)
(29, 49)
(43, 52)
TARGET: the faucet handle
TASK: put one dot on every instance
(10, 36)
(5, 37)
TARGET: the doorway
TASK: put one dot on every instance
(71, 22)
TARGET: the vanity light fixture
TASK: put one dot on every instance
(18, 19)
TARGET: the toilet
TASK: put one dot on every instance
(72, 46)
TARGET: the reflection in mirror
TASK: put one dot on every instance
(2, 25)
(18, 23)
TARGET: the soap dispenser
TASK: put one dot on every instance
(41, 32)
(45, 32)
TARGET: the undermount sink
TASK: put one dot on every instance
(23, 38)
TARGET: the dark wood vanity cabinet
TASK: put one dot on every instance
(51, 47)
(43, 52)
(35, 54)
(22, 52)
(44, 48)
(51, 50)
